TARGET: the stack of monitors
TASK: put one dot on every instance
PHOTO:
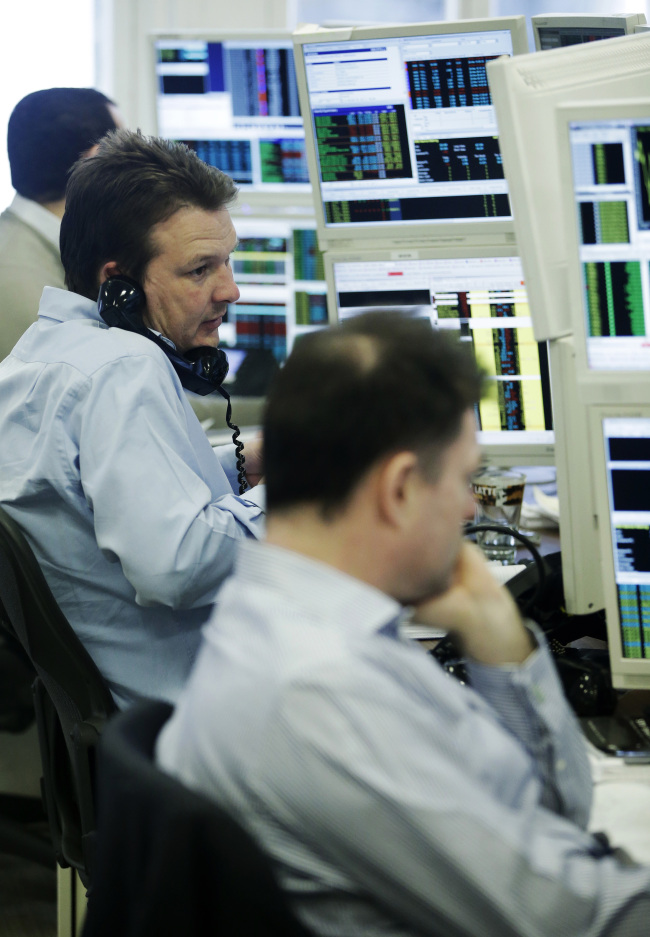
(604, 152)
(557, 30)
(233, 98)
(279, 270)
(402, 138)
(529, 95)
(404, 161)
(482, 300)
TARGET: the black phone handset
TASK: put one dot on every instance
(202, 370)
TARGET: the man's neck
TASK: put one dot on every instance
(56, 208)
(342, 542)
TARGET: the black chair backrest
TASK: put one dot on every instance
(169, 860)
(72, 700)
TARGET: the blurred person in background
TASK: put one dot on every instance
(47, 133)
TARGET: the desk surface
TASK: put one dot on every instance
(621, 806)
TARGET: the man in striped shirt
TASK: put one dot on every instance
(392, 799)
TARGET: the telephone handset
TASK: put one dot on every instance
(201, 370)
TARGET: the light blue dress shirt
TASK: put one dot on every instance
(393, 800)
(130, 512)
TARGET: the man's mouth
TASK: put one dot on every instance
(213, 323)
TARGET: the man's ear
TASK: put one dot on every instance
(110, 269)
(397, 484)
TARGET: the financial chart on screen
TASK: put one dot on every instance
(483, 301)
(611, 188)
(527, 92)
(235, 101)
(402, 130)
(280, 274)
(626, 566)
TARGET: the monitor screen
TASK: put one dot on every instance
(526, 91)
(556, 30)
(609, 194)
(233, 99)
(624, 508)
(401, 131)
(482, 300)
(279, 271)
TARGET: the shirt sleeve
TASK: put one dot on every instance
(155, 510)
(228, 461)
(436, 810)
(529, 702)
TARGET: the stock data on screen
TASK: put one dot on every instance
(611, 177)
(405, 130)
(236, 104)
(483, 302)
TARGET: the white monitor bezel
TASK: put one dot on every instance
(625, 21)
(505, 454)
(427, 233)
(596, 386)
(248, 200)
(526, 91)
(582, 582)
(627, 673)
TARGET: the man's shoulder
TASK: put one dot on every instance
(16, 236)
(83, 346)
(116, 352)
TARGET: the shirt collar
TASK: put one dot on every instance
(37, 217)
(62, 305)
(324, 591)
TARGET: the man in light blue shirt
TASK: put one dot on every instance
(132, 515)
(392, 799)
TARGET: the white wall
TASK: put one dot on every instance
(44, 45)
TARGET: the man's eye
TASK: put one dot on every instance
(199, 271)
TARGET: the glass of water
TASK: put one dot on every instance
(499, 494)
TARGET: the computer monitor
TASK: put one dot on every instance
(526, 91)
(279, 271)
(604, 158)
(621, 456)
(232, 97)
(481, 298)
(556, 30)
(401, 135)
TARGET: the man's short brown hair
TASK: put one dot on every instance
(115, 198)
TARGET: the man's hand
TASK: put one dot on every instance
(479, 612)
(253, 465)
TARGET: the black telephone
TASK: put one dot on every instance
(202, 370)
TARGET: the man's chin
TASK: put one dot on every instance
(433, 588)
(210, 339)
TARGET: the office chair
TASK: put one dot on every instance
(71, 699)
(169, 860)
(18, 812)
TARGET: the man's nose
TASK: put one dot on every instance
(226, 290)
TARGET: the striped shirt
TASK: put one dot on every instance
(392, 799)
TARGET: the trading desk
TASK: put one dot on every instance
(621, 807)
